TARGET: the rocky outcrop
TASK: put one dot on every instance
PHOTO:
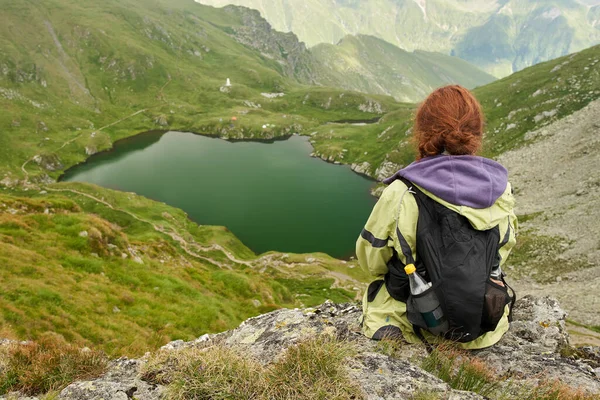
(386, 169)
(285, 48)
(363, 168)
(530, 353)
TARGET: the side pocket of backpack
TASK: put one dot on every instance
(495, 301)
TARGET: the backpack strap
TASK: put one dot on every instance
(512, 301)
(406, 250)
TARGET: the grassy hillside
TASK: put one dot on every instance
(127, 274)
(67, 88)
(112, 269)
(500, 37)
(371, 65)
(522, 102)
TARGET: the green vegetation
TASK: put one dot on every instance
(523, 102)
(47, 365)
(461, 371)
(371, 65)
(128, 274)
(541, 257)
(590, 327)
(313, 369)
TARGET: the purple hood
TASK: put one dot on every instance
(470, 181)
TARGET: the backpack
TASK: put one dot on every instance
(458, 260)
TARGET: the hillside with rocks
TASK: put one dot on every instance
(531, 361)
(557, 185)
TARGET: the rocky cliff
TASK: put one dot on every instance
(532, 357)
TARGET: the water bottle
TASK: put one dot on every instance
(428, 305)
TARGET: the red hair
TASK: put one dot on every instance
(450, 120)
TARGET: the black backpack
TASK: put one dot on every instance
(458, 260)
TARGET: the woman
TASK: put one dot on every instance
(448, 130)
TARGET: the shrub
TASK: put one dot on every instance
(48, 364)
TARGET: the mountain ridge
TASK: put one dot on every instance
(500, 37)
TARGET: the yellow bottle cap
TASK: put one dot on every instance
(410, 269)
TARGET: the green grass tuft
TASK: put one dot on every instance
(313, 369)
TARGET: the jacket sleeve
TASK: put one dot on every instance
(508, 230)
(510, 238)
(374, 247)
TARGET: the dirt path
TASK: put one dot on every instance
(559, 176)
(191, 248)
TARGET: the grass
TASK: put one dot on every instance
(49, 364)
(313, 369)
(461, 371)
(465, 372)
(556, 390)
(539, 256)
(82, 288)
(590, 327)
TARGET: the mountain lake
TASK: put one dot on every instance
(273, 196)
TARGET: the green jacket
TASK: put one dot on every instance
(397, 208)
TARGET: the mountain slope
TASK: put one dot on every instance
(498, 36)
(85, 261)
(361, 63)
(371, 65)
(112, 269)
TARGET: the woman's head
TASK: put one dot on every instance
(450, 120)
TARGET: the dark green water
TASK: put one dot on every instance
(273, 196)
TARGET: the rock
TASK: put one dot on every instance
(50, 162)
(386, 169)
(545, 114)
(8, 182)
(363, 168)
(372, 107)
(116, 310)
(272, 95)
(161, 120)
(83, 234)
(90, 150)
(528, 353)
(121, 382)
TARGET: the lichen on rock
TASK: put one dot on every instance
(530, 353)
